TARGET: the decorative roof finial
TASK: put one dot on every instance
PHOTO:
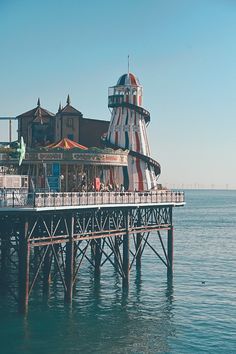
(59, 108)
(38, 102)
(128, 64)
(68, 100)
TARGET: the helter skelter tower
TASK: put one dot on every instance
(127, 130)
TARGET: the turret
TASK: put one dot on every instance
(128, 130)
(127, 90)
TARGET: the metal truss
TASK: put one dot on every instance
(40, 248)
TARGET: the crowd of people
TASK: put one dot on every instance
(90, 187)
(83, 185)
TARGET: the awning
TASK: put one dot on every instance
(66, 144)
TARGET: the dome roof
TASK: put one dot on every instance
(129, 80)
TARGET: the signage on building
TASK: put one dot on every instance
(57, 158)
(101, 159)
(50, 156)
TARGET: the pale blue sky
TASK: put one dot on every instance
(183, 51)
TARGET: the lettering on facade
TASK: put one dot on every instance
(101, 159)
(50, 156)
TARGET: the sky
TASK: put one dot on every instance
(183, 52)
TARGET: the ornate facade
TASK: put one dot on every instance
(39, 127)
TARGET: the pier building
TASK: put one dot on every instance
(39, 127)
(85, 199)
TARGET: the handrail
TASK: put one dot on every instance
(37, 200)
(145, 158)
(138, 109)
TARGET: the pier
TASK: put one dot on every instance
(45, 237)
(83, 191)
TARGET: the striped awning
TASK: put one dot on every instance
(66, 144)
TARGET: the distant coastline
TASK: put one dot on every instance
(200, 187)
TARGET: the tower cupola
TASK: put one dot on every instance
(127, 89)
(128, 80)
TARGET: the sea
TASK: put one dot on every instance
(195, 312)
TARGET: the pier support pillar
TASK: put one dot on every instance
(69, 274)
(138, 243)
(170, 251)
(24, 265)
(125, 281)
(47, 273)
(138, 250)
(97, 256)
(116, 251)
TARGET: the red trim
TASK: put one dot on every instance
(118, 121)
(133, 79)
(140, 175)
(137, 142)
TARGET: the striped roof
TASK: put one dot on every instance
(66, 144)
(129, 80)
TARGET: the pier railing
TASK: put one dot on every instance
(37, 200)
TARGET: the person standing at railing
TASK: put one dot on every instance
(122, 188)
(110, 188)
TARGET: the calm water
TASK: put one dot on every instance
(194, 314)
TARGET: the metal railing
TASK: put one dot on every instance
(36, 200)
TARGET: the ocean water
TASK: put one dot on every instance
(195, 313)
